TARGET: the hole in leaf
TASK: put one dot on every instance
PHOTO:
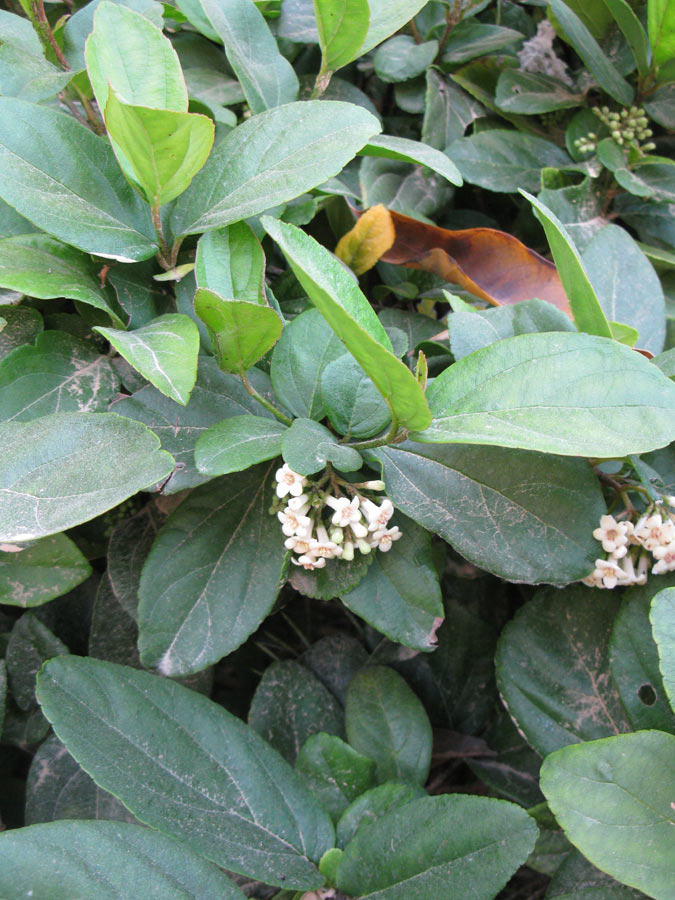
(647, 694)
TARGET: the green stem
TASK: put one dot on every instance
(321, 83)
(393, 436)
(261, 400)
(164, 255)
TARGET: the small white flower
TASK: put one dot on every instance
(666, 559)
(642, 569)
(298, 545)
(594, 579)
(323, 546)
(384, 538)
(289, 482)
(612, 573)
(309, 562)
(613, 535)
(373, 485)
(297, 503)
(337, 534)
(670, 500)
(295, 523)
(363, 546)
(653, 532)
(378, 516)
(348, 551)
(347, 513)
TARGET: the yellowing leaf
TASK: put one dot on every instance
(368, 240)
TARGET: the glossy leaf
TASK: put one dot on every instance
(341, 303)
(215, 784)
(66, 180)
(352, 402)
(236, 444)
(267, 77)
(114, 860)
(164, 351)
(539, 511)
(662, 617)
(165, 148)
(46, 569)
(440, 847)
(308, 447)
(415, 152)
(231, 262)
(553, 669)
(334, 772)
(67, 468)
(241, 332)
(609, 797)
(342, 26)
(212, 575)
(310, 142)
(386, 722)
(374, 804)
(364, 244)
(550, 395)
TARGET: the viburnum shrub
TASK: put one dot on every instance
(337, 525)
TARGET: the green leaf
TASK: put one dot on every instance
(310, 142)
(532, 93)
(661, 28)
(113, 860)
(215, 396)
(164, 351)
(212, 575)
(38, 265)
(342, 26)
(401, 58)
(586, 309)
(30, 644)
(439, 848)
(470, 39)
(611, 799)
(448, 111)
(59, 373)
(334, 772)
(386, 722)
(662, 617)
(290, 705)
(388, 146)
(548, 392)
(165, 148)
(68, 468)
(29, 77)
(505, 161)
(66, 180)
(128, 54)
(374, 804)
(23, 324)
(3, 692)
(189, 768)
(333, 580)
(386, 18)
(633, 31)
(591, 53)
(18, 31)
(400, 595)
(553, 669)
(307, 346)
(241, 332)
(335, 659)
(231, 262)
(79, 26)
(634, 663)
(339, 300)
(238, 443)
(307, 447)
(539, 511)
(353, 404)
(46, 569)
(267, 78)
(578, 879)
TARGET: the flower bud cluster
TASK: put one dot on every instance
(628, 546)
(319, 526)
(627, 128)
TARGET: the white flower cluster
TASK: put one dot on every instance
(356, 524)
(628, 547)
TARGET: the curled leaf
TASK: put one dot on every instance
(366, 243)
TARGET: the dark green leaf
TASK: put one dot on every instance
(335, 773)
(390, 147)
(353, 404)
(238, 443)
(400, 58)
(308, 446)
(531, 93)
(333, 580)
(374, 804)
(578, 879)
(46, 569)
(662, 617)
(30, 644)
(579, 207)
(448, 111)
(470, 39)
(23, 324)
(335, 660)
(633, 31)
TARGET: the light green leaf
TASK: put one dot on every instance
(438, 848)
(386, 722)
(18, 31)
(539, 511)
(129, 54)
(189, 768)
(400, 595)
(111, 860)
(68, 468)
(80, 24)
(241, 332)
(391, 147)
(374, 804)
(339, 300)
(165, 148)
(164, 351)
(58, 373)
(548, 392)
(633, 31)
(289, 705)
(334, 772)
(66, 180)
(662, 617)
(267, 78)
(238, 443)
(342, 26)
(231, 262)
(46, 569)
(308, 142)
(581, 39)
(212, 575)
(308, 446)
(401, 58)
(553, 668)
(661, 28)
(612, 800)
